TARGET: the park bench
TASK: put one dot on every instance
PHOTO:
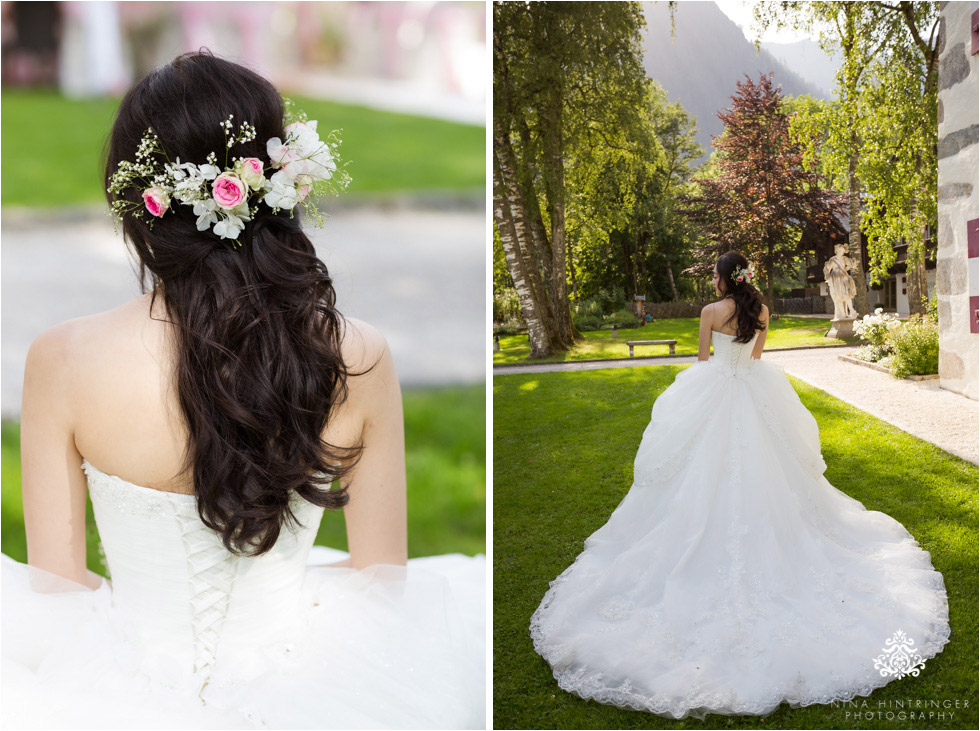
(633, 343)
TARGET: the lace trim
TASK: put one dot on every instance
(592, 685)
(116, 493)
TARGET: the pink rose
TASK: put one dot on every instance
(156, 200)
(250, 171)
(228, 191)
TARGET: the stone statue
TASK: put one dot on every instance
(837, 274)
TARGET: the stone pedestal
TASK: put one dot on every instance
(841, 328)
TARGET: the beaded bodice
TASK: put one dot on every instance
(195, 609)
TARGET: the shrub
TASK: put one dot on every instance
(915, 346)
(622, 318)
(874, 328)
(871, 353)
(932, 309)
(506, 305)
(587, 322)
(511, 327)
(588, 308)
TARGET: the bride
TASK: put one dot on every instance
(208, 420)
(733, 576)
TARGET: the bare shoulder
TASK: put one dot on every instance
(83, 346)
(362, 345)
(764, 316)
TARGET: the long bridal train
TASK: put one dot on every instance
(189, 636)
(733, 576)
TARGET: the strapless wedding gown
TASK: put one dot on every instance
(733, 576)
(190, 636)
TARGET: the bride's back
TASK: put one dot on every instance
(126, 414)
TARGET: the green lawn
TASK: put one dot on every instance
(445, 450)
(51, 148)
(787, 331)
(564, 445)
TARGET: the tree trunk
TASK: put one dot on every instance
(915, 269)
(854, 235)
(770, 285)
(571, 272)
(511, 219)
(554, 174)
(673, 287)
(539, 235)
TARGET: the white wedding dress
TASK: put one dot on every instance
(733, 576)
(190, 636)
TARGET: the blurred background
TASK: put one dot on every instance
(406, 83)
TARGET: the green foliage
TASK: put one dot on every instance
(623, 226)
(622, 318)
(603, 311)
(506, 305)
(915, 347)
(587, 323)
(884, 114)
(45, 131)
(555, 483)
(511, 327)
(932, 308)
(445, 455)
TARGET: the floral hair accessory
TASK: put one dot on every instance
(744, 275)
(305, 166)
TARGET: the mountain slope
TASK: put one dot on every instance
(701, 64)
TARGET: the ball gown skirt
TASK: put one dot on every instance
(733, 576)
(189, 636)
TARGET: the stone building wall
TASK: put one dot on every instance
(958, 199)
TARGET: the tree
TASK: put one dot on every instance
(881, 133)
(759, 198)
(901, 162)
(561, 70)
(855, 28)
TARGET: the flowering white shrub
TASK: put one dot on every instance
(870, 353)
(916, 347)
(875, 327)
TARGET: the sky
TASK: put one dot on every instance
(740, 11)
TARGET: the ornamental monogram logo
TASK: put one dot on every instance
(899, 657)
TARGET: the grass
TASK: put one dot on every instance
(787, 331)
(564, 445)
(445, 456)
(45, 131)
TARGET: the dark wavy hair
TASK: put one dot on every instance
(748, 299)
(258, 366)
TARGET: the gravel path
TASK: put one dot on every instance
(921, 408)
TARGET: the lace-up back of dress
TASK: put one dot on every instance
(732, 356)
(173, 578)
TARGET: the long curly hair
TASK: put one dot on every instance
(258, 367)
(748, 299)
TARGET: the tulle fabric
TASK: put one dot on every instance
(383, 647)
(733, 576)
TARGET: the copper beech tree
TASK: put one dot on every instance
(757, 197)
